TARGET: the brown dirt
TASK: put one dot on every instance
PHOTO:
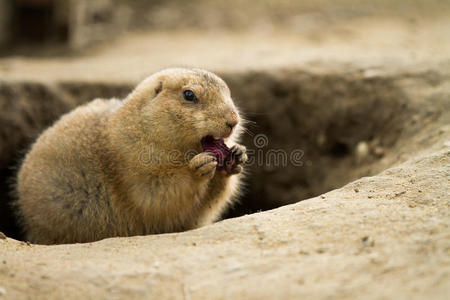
(379, 237)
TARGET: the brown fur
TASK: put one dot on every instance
(118, 168)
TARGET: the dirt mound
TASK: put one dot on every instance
(378, 237)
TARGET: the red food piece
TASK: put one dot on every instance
(223, 154)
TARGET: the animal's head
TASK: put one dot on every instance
(182, 106)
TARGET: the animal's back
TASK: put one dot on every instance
(62, 189)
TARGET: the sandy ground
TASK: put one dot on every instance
(385, 236)
(379, 237)
(375, 45)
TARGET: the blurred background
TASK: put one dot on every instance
(76, 24)
(331, 78)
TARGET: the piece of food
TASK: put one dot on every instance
(223, 154)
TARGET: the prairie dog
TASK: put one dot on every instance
(135, 166)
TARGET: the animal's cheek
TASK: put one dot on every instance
(201, 127)
(199, 116)
(199, 120)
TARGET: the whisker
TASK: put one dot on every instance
(249, 121)
(254, 113)
(246, 121)
(251, 125)
(247, 131)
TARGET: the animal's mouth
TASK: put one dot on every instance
(220, 150)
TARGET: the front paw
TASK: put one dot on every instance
(204, 165)
(238, 158)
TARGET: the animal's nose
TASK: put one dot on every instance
(231, 119)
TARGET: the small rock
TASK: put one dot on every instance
(362, 151)
(356, 190)
(400, 193)
(234, 268)
(368, 73)
(2, 291)
(2, 236)
(321, 139)
(379, 151)
(430, 111)
(321, 250)
(368, 241)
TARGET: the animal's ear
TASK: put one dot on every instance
(146, 90)
(158, 88)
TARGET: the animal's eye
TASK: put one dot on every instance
(189, 96)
